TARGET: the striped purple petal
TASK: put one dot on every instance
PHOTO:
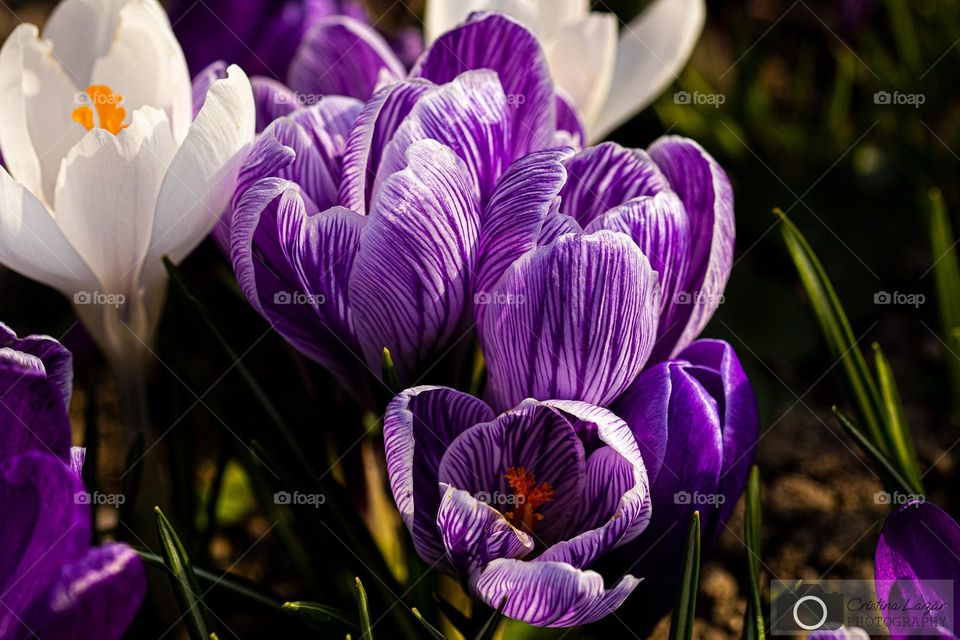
(708, 198)
(475, 533)
(605, 176)
(573, 320)
(374, 128)
(418, 426)
(57, 360)
(412, 275)
(271, 99)
(340, 55)
(557, 224)
(520, 66)
(550, 594)
(470, 116)
(513, 219)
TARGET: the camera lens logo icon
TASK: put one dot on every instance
(807, 608)
(815, 603)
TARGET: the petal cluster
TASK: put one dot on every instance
(454, 468)
(53, 583)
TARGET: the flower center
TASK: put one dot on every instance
(107, 112)
(528, 497)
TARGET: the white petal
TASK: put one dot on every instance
(653, 50)
(107, 193)
(32, 245)
(201, 177)
(555, 15)
(146, 65)
(443, 15)
(582, 58)
(36, 101)
(81, 31)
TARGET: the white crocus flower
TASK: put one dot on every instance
(609, 76)
(106, 168)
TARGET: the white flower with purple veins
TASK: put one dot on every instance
(608, 74)
(106, 167)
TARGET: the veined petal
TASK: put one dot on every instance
(57, 360)
(202, 175)
(581, 324)
(418, 427)
(556, 225)
(521, 68)
(44, 528)
(94, 598)
(413, 273)
(373, 129)
(470, 116)
(602, 177)
(145, 64)
(550, 594)
(582, 57)
(533, 437)
(653, 49)
(475, 533)
(513, 219)
(108, 188)
(272, 100)
(659, 226)
(36, 130)
(708, 199)
(342, 56)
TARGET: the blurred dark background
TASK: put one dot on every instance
(797, 116)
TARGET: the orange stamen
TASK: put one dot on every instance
(110, 114)
(529, 496)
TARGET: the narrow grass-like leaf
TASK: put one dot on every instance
(836, 328)
(902, 452)
(946, 275)
(490, 627)
(432, 630)
(681, 624)
(894, 479)
(320, 616)
(365, 627)
(183, 580)
(753, 626)
(389, 371)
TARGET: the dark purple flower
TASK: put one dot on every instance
(53, 584)
(357, 227)
(519, 504)
(918, 555)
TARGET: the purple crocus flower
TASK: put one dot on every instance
(357, 227)
(53, 584)
(519, 504)
(918, 553)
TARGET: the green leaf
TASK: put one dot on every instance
(836, 328)
(490, 627)
(946, 275)
(389, 371)
(433, 631)
(898, 433)
(894, 478)
(183, 580)
(753, 627)
(365, 627)
(681, 625)
(320, 616)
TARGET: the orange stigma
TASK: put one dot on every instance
(529, 496)
(109, 112)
